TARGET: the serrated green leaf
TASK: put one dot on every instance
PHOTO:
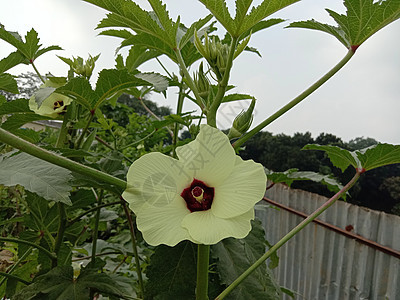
(151, 42)
(80, 90)
(129, 14)
(339, 157)
(159, 81)
(47, 180)
(236, 97)
(113, 81)
(30, 49)
(12, 38)
(379, 155)
(365, 159)
(124, 34)
(196, 26)
(45, 50)
(259, 284)
(59, 283)
(220, 11)
(291, 175)
(265, 9)
(14, 122)
(333, 30)
(41, 217)
(139, 55)
(362, 19)
(12, 60)
(166, 23)
(15, 106)
(8, 83)
(31, 43)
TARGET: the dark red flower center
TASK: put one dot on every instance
(58, 104)
(198, 196)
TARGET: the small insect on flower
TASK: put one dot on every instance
(204, 196)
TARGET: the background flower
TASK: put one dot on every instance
(162, 191)
(53, 106)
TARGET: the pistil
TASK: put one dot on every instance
(197, 193)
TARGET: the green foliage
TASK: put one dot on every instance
(128, 14)
(59, 283)
(8, 83)
(363, 160)
(243, 253)
(43, 178)
(171, 274)
(362, 20)
(110, 125)
(111, 83)
(244, 22)
(27, 52)
(291, 175)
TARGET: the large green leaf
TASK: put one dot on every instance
(365, 159)
(8, 83)
(59, 284)
(220, 11)
(362, 19)
(112, 81)
(172, 272)
(14, 122)
(265, 9)
(291, 175)
(38, 176)
(30, 49)
(244, 22)
(80, 90)
(196, 26)
(129, 14)
(13, 59)
(235, 256)
(15, 106)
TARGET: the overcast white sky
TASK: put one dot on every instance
(363, 99)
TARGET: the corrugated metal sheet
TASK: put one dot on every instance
(319, 263)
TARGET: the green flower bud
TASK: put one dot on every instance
(81, 67)
(202, 83)
(242, 122)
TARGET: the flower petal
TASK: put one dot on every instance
(162, 225)
(205, 228)
(209, 158)
(154, 179)
(244, 187)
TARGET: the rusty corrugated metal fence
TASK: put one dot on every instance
(320, 262)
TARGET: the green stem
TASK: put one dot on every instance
(15, 265)
(18, 143)
(74, 220)
(7, 275)
(179, 108)
(203, 259)
(295, 101)
(37, 71)
(96, 227)
(222, 85)
(188, 79)
(61, 230)
(19, 241)
(288, 236)
(135, 249)
(81, 137)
